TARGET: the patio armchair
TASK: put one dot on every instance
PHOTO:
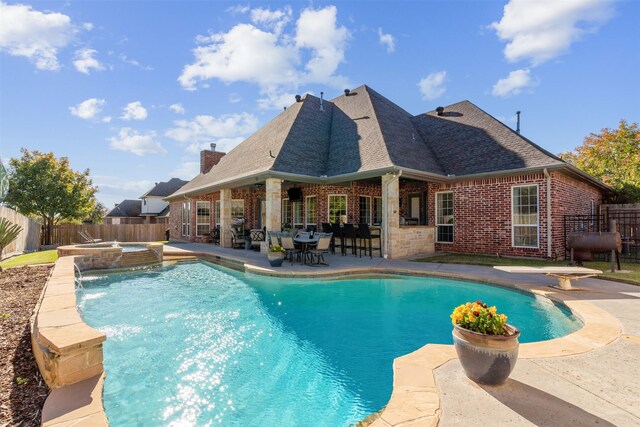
(215, 236)
(365, 236)
(323, 247)
(237, 242)
(257, 237)
(290, 247)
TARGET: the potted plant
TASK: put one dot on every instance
(276, 255)
(487, 346)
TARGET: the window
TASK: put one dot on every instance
(524, 216)
(203, 215)
(297, 215)
(186, 218)
(337, 208)
(311, 210)
(444, 217)
(237, 208)
(286, 212)
(218, 212)
(365, 210)
(377, 210)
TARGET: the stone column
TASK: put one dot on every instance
(390, 213)
(273, 204)
(225, 217)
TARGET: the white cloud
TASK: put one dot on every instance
(272, 100)
(138, 143)
(264, 54)
(234, 98)
(432, 86)
(177, 108)
(134, 111)
(541, 30)
(88, 109)
(87, 26)
(124, 58)
(33, 34)
(106, 119)
(117, 183)
(85, 62)
(186, 169)
(387, 40)
(226, 131)
(513, 84)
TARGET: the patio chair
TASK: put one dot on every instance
(323, 247)
(364, 236)
(257, 236)
(337, 234)
(87, 237)
(215, 236)
(349, 238)
(237, 242)
(326, 227)
(290, 247)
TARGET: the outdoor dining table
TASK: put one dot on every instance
(307, 243)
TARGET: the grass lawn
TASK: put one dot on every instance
(43, 257)
(633, 277)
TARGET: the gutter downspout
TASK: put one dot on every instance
(549, 227)
(385, 225)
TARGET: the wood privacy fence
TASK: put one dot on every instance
(29, 238)
(66, 234)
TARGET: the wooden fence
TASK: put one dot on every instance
(66, 234)
(29, 238)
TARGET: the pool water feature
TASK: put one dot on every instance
(193, 344)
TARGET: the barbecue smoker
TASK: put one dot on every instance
(583, 245)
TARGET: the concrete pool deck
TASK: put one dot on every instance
(587, 378)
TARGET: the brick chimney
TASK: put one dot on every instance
(209, 158)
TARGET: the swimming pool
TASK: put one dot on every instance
(193, 344)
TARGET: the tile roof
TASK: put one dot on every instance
(163, 189)
(126, 208)
(365, 132)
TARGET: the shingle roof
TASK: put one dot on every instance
(163, 189)
(366, 132)
(467, 140)
(126, 208)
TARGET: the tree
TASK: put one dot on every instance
(612, 156)
(96, 216)
(41, 185)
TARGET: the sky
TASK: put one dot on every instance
(133, 90)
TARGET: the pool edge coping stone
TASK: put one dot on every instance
(415, 398)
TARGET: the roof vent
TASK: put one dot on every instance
(440, 111)
(213, 146)
(298, 98)
(347, 92)
(321, 99)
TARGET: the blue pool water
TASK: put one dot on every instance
(193, 344)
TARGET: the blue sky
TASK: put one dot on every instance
(132, 90)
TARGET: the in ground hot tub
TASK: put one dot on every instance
(114, 254)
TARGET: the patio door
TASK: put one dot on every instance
(414, 207)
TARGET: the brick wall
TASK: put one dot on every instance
(482, 209)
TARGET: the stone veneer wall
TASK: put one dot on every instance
(66, 349)
(411, 241)
(97, 258)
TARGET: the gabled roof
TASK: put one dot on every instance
(365, 134)
(126, 208)
(164, 189)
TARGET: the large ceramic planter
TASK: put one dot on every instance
(275, 258)
(486, 359)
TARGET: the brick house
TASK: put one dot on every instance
(455, 179)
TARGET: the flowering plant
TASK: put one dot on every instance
(479, 317)
(277, 249)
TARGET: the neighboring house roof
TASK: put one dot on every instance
(364, 134)
(126, 208)
(164, 212)
(164, 189)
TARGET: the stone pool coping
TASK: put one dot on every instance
(415, 399)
